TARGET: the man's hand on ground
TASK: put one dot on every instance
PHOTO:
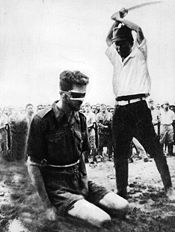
(51, 214)
(170, 193)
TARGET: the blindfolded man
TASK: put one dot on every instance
(57, 140)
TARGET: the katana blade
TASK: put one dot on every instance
(142, 4)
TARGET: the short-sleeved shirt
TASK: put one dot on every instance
(56, 138)
(131, 75)
(104, 119)
(90, 119)
(167, 117)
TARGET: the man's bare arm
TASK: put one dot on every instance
(120, 14)
(38, 182)
(110, 33)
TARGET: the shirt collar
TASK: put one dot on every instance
(59, 113)
(131, 55)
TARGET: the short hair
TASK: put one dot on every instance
(29, 104)
(87, 104)
(70, 78)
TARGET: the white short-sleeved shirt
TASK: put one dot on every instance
(131, 75)
(167, 117)
(90, 119)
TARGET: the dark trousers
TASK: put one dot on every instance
(105, 141)
(135, 120)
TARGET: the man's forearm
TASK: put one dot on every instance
(129, 24)
(110, 33)
(38, 182)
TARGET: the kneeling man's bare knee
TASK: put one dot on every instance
(115, 202)
(89, 212)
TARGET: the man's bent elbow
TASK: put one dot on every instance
(140, 36)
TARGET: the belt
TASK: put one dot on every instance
(167, 124)
(123, 103)
(125, 100)
(44, 163)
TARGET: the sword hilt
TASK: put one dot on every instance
(123, 12)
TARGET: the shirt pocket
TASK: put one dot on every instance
(59, 146)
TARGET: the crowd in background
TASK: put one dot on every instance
(99, 123)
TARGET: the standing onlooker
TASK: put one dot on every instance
(108, 107)
(104, 119)
(90, 119)
(29, 113)
(97, 108)
(112, 110)
(166, 129)
(4, 119)
(172, 107)
(131, 85)
(95, 111)
(155, 116)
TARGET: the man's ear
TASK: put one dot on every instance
(63, 95)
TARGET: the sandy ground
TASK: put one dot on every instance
(21, 209)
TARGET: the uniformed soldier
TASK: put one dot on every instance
(57, 140)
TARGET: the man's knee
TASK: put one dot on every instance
(114, 202)
(85, 210)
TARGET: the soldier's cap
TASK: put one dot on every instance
(122, 33)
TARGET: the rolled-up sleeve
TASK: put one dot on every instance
(143, 48)
(36, 144)
(112, 54)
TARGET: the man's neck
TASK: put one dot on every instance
(65, 108)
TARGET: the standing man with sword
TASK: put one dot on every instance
(131, 85)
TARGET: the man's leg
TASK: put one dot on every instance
(150, 141)
(170, 149)
(107, 200)
(94, 150)
(100, 146)
(109, 147)
(89, 212)
(170, 138)
(122, 137)
(114, 204)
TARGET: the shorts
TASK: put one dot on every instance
(66, 188)
(166, 134)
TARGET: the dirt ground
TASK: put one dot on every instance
(21, 209)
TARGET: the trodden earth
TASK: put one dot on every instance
(21, 209)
